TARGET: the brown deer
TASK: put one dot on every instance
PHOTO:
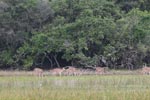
(71, 71)
(38, 72)
(146, 70)
(99, 70)
(57, 71)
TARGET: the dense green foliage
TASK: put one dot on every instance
(56, 33)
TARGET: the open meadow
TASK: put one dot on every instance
(93, 87)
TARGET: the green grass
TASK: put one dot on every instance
(115, 87)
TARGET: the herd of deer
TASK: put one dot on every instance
(72, 71)
(69, 71)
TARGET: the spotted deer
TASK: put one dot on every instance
(71, 71)
(57, 71)
(38, 72)
(146, 70)
(99, 70)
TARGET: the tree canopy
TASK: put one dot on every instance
(58, 33)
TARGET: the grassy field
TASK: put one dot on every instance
(108, 87)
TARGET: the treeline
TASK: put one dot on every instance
(58, 33)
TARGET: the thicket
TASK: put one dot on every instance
(58, 33)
